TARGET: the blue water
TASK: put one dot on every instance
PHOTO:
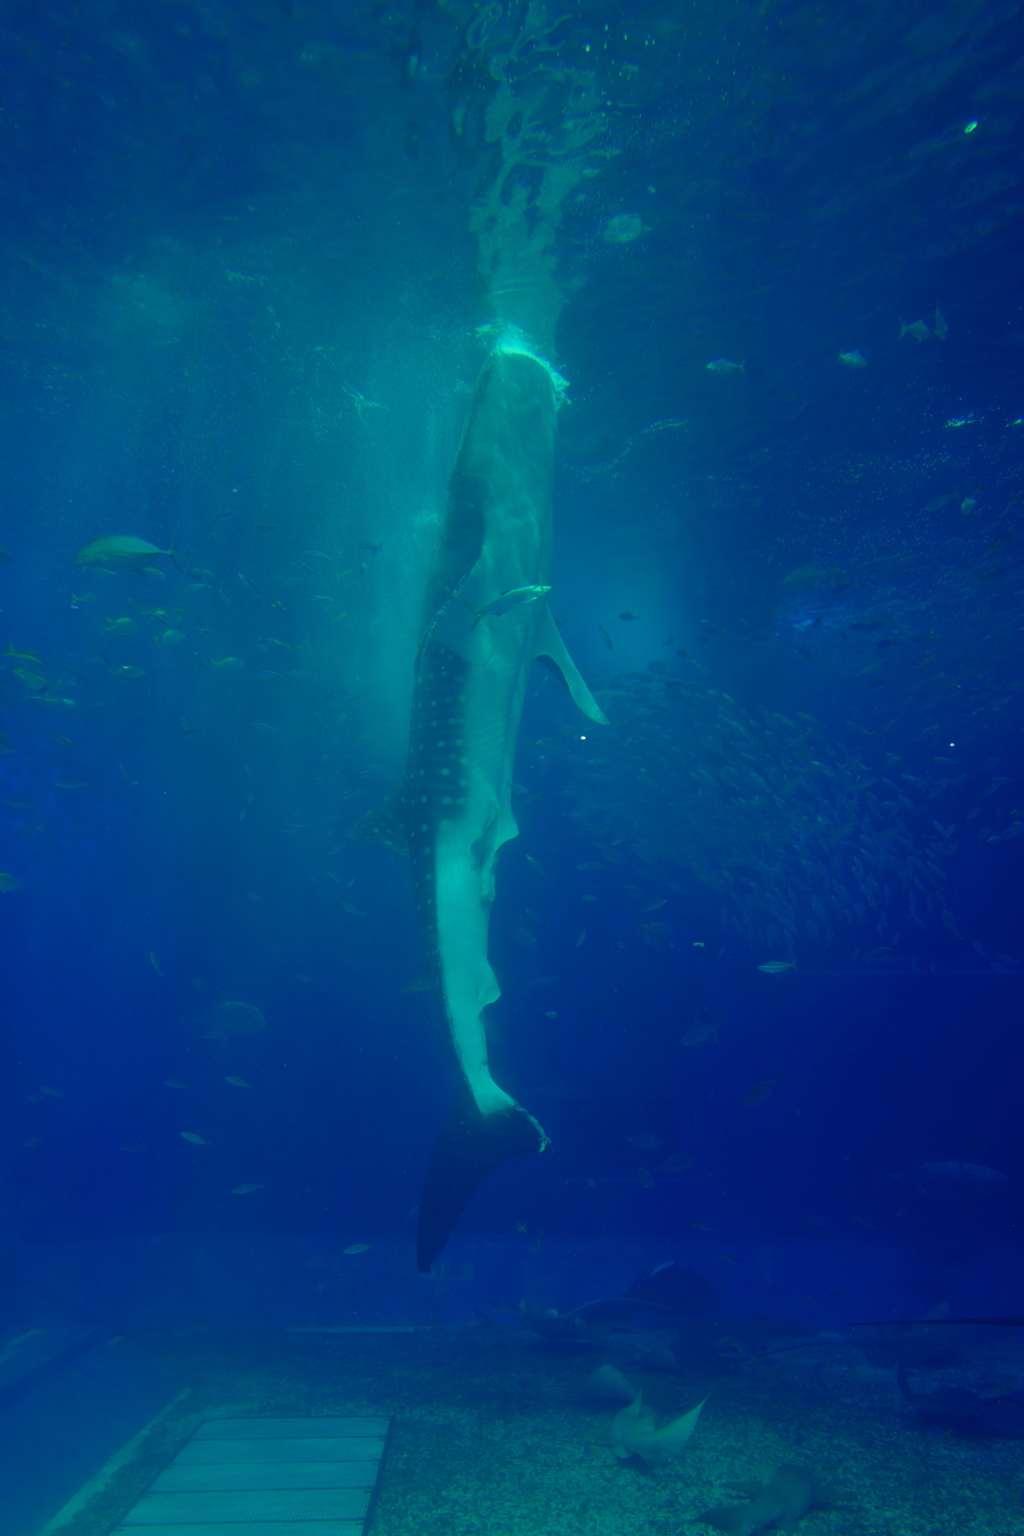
(239, 315)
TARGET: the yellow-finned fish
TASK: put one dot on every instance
(121, 552)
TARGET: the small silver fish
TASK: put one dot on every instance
(776, 967)
(515, 597)
(916, 330)
(121, 551)
(623, 228)
(951, 1172)
(853, 359)
(725, 365)
(194, 1137)
(231, 1018)
(245, 1189)
(697, 1034)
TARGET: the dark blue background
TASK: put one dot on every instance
(215, 234)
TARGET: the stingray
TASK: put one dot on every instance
(971, 1413)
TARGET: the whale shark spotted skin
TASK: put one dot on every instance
(452, 810)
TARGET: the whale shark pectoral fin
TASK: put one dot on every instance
(470, 1146)
(382, 823)
(552, 650)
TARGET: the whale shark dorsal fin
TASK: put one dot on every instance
(382, 823)
(552, 650)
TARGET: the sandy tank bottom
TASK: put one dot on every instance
(492, 1435)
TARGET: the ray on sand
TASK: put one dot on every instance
(452, 809)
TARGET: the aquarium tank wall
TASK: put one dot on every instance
(511, 704)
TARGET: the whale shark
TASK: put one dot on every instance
(485, 620)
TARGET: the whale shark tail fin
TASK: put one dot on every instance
(470, 1146)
